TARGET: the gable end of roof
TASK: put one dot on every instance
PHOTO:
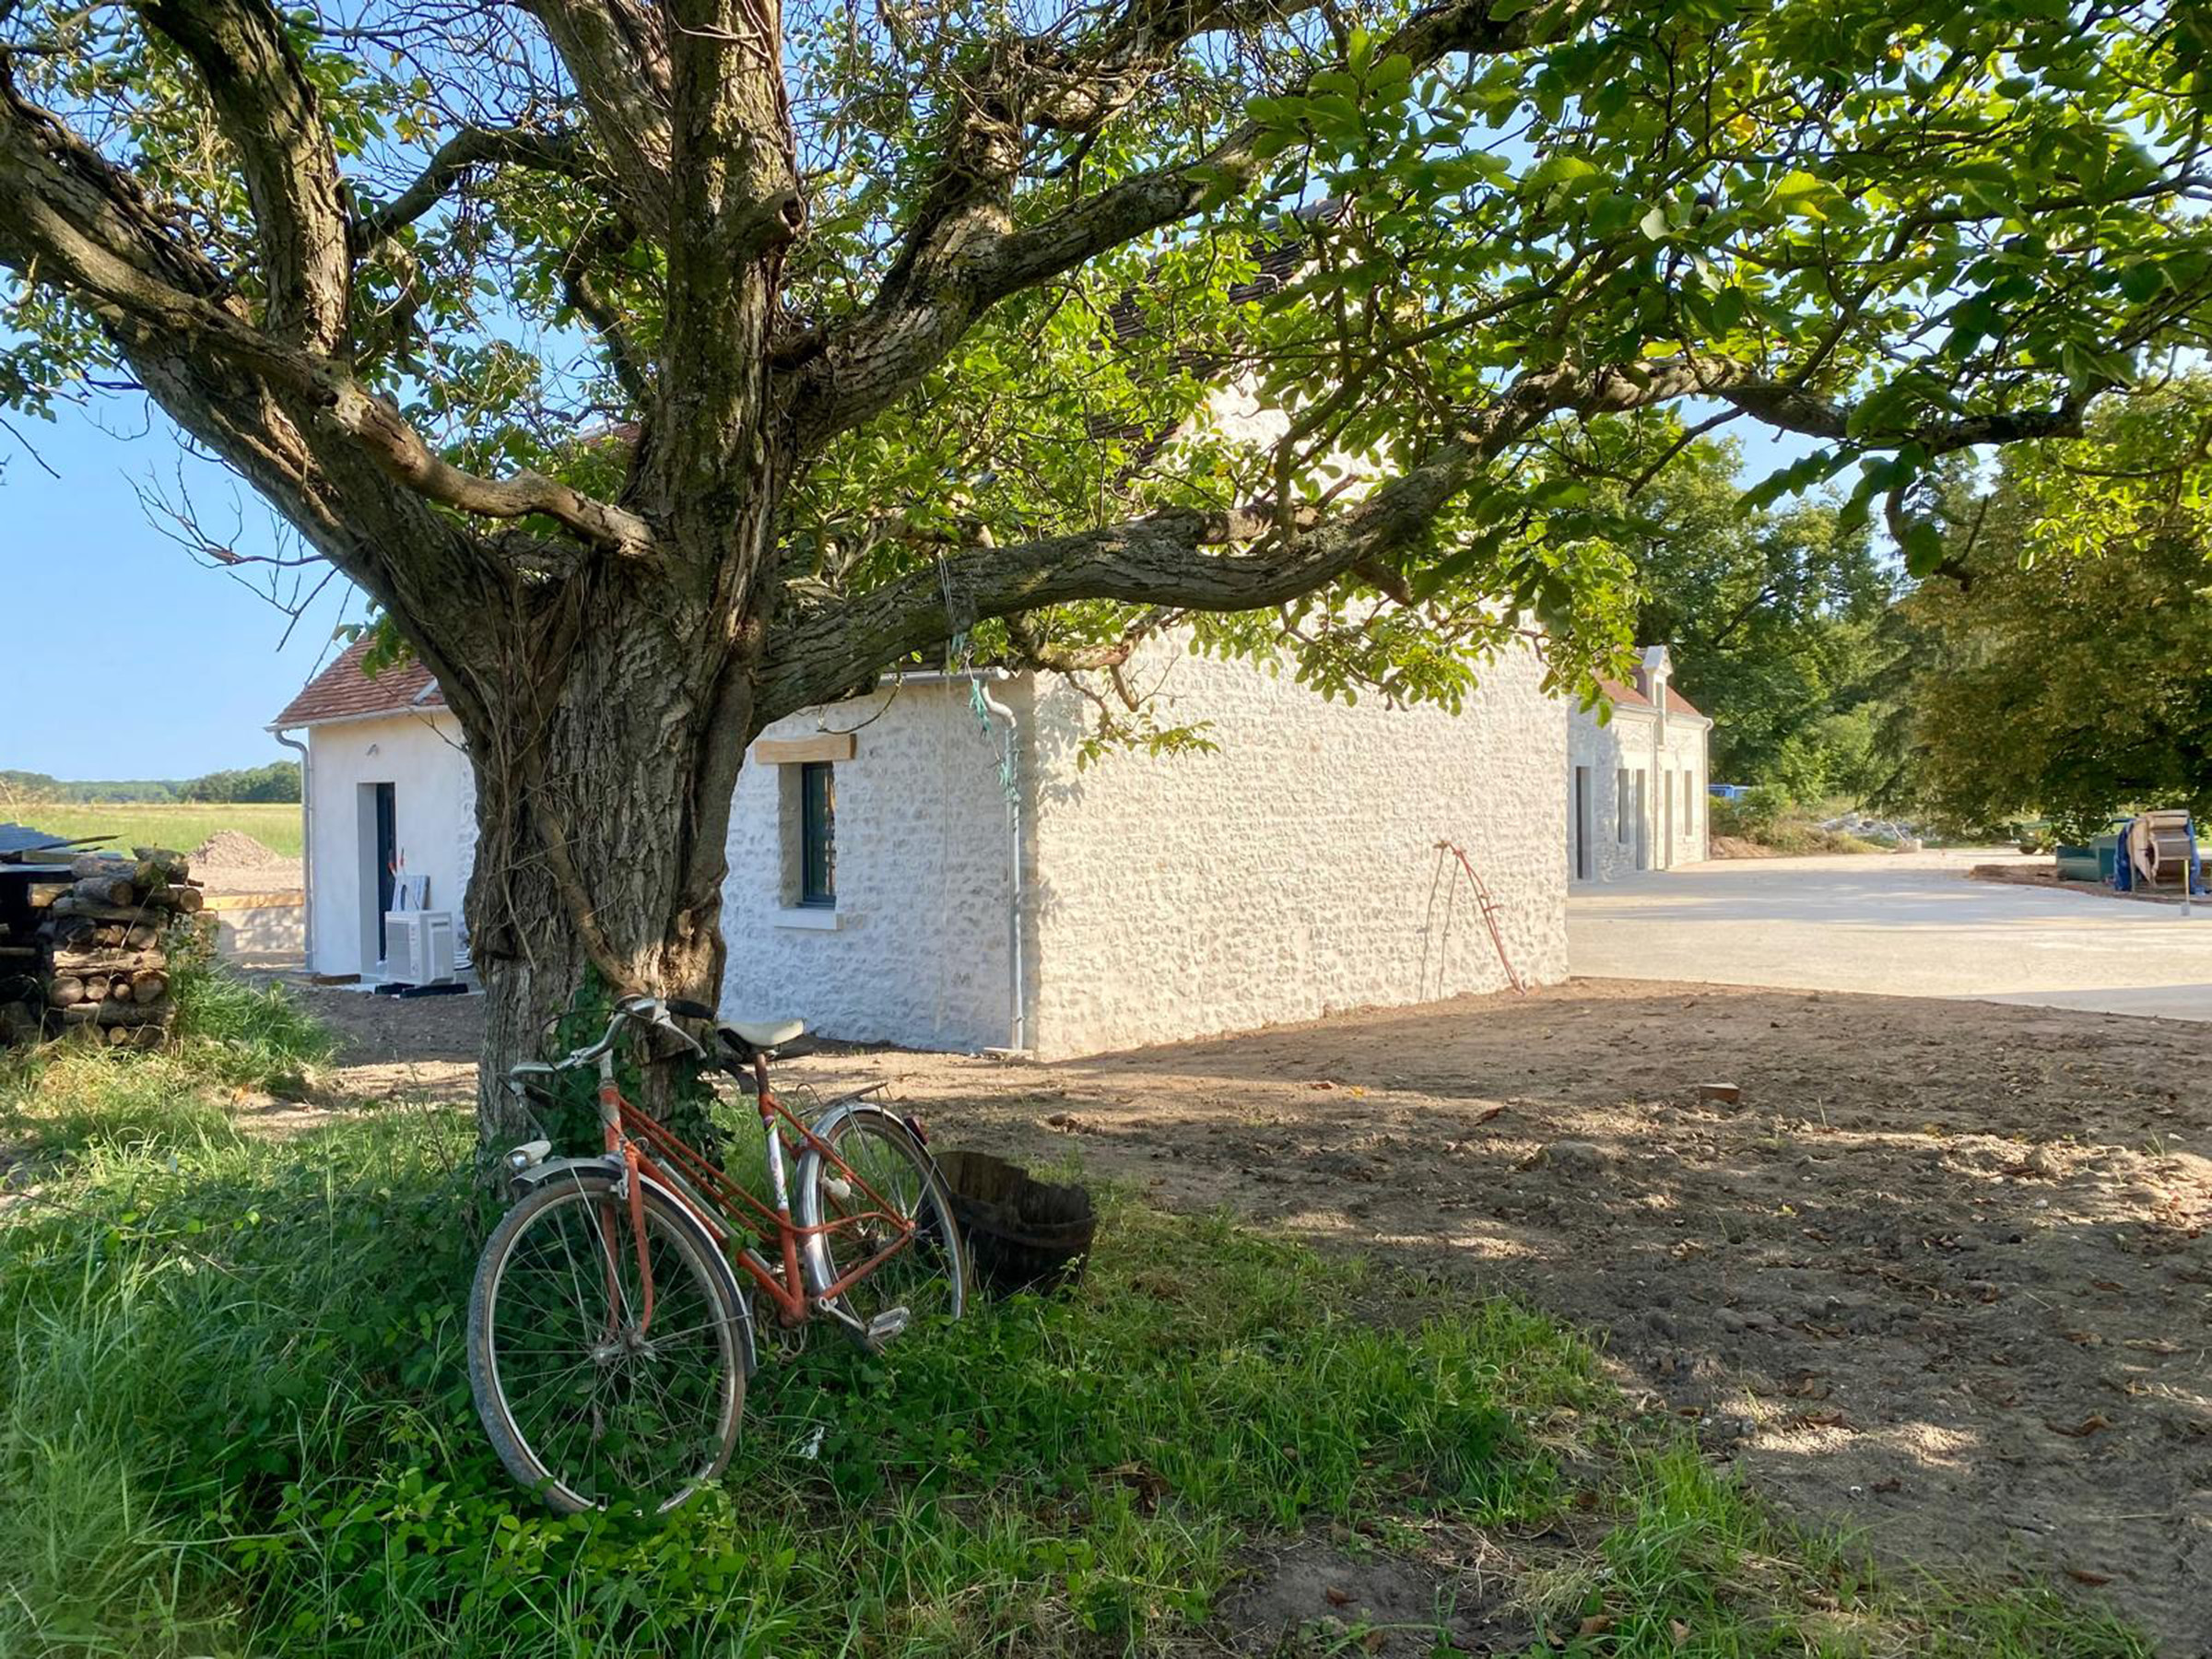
(342, 691)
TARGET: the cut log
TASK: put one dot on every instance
(66, 991)
(116, 958)
(106, 889)
(148, 987)
(107, 961)
(73, 904)
(37, 895)
(162, 863)
(116, 1012)
(184, 901)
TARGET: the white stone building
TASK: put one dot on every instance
(1636, 777)
(887, 883)
(387, 795)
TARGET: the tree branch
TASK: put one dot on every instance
(1248, 557)
(400, 450)
(617, 52)
(633, 368)
(1794, 409)
(267, 112)
(965, 255)
(558, 152)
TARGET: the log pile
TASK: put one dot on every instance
(98, 964)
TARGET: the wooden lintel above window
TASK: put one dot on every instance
(791, 752)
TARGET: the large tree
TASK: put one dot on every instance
(2063, 654)
(1774, 616)
(874, 319)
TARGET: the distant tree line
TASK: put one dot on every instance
(2054, 660)
(277, 782)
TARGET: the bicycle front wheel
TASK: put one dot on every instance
(587, 1402)
(887, 1253)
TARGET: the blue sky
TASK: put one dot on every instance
(182, 669)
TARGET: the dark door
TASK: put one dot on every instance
(1582, 823)
(387, 852)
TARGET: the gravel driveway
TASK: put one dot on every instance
(1907, 925)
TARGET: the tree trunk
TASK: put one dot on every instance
(602, 808)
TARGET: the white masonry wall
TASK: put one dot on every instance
(1293, 873)
(1666, 821)
(915, 951)
(434, 801)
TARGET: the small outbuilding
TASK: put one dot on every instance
(1637, 773)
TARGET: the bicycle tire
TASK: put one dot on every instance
(939, 1233)
(695, 1324)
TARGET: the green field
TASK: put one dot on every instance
(182, 825)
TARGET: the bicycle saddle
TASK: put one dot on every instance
(741, 1037)
(763, 1033)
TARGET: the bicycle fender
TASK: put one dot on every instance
(814, 1255)
(536, 1175)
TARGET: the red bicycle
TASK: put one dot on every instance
(609, 1334)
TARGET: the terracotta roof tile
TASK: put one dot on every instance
(343, 692)
(1627, 697)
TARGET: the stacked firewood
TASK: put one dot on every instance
(102, 962)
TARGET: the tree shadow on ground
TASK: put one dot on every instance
(1938, 1270)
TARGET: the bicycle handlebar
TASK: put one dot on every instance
(642, 1010)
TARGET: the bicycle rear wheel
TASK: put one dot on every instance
(586, 1402)
(926, 1278)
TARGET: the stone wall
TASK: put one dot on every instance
(915, 949)
(1294, 872)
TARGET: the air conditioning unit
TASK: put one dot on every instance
(418, 946)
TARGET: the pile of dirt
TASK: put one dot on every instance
(1736, 846)
(234, 850)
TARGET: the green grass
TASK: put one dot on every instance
(181, 825)
(234, 1420)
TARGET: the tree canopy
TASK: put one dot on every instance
(1775, 616)
(2065, 658)
(664, 366)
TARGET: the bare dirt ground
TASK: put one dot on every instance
(1940, 1272)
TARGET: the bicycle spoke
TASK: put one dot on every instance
(609, 1410)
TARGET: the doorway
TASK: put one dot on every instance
(1643, 820)
(1582, 823)
(376, 827)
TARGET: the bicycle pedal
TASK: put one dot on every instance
(889, 1324)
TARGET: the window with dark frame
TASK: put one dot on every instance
(817, 835)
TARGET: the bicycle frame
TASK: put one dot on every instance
(717, 1203)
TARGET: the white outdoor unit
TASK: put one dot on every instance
(418, 946)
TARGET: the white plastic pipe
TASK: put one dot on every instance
(1018, 1018)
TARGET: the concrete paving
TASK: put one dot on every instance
(1906, 924)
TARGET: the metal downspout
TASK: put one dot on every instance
(1018, 1016)
(307, 850)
